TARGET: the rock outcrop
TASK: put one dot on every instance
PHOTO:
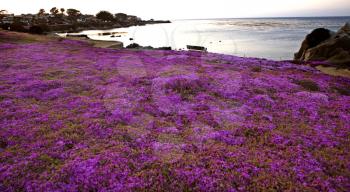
(324, 45)
(137, 46)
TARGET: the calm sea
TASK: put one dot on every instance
(273, 38)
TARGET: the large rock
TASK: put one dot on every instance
(137, 46)
(323, 45)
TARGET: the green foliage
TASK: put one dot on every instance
(73, 13)
(105, 16)
(41, 12)
(54, 11)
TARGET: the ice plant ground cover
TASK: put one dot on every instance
(78, 118)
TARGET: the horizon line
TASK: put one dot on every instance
(262, 17)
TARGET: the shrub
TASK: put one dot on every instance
(308, 85)
(185, 87)
(36, 30)
(39, 29)
(105, 16)
(5, 26)
(17, 27)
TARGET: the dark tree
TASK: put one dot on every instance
(73, 13)
(120, 17)
(54, 11)
(62, 10)
(41, 12)
(39, 29)
(36, 30)
(16, 26)
(5, 26)
(105, 16)
(2, 13)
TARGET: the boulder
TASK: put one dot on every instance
(313, 39)
(324, 45)
(164, 48)
(133, 46)
(196, 48)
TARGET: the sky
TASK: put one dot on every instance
(190, 9)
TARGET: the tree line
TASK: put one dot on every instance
(74, 13)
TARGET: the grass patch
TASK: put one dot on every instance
(48, 160)
(53, 75)
(186, 88)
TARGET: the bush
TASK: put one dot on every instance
(5, 26)
(17, 27)
(39, 29)
(36, 30)
(44, 27)
(105, 16)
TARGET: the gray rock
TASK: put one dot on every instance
(196, 48)
(133, 46)
(313, 39)
(137, 46)
(335, 49)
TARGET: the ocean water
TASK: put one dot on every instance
(272, 38)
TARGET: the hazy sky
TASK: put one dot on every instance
(186, 9)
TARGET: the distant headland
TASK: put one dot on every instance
(68, 20)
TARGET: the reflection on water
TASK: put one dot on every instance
(273, 38)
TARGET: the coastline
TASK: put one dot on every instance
(97, 43)
(323, 68)
(106, 27)
(71, 110)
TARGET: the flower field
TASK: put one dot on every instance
(78, 118)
